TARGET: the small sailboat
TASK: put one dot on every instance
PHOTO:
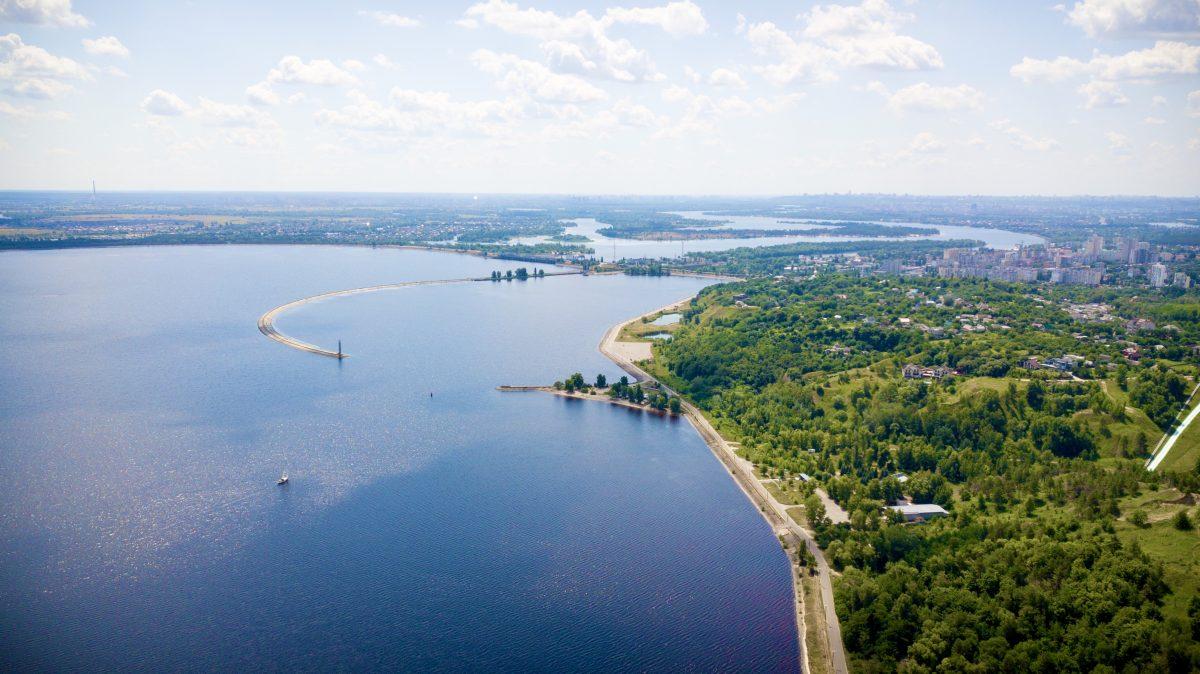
(283, 479)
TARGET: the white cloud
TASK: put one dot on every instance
(412, 113)
(724, 77)
(294, 70)
(384, 62)
(925, 148)
(1022, 139)
(1193, 103)
(22, 59)
(1164, 58)
(354, 65)
(924, 97)
(701, 113)
(1158, 101)
(37, 87)
(1056, 70)
(676, 18)
(1101, 94)
(926, 143)
(624, 114)
(515, 74)
(321, 72)
(1100, 18)
(242, 122)
(1118, 143)
(581, 44)
(164, 103)
(34, 72)
(262, 94)
(45, 12)
(9, 110)
(837, 37)
(106, 46)
(230, 115)
(391, 19)
(872, 16)
(1155, 121)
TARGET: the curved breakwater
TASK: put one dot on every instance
(266, 322)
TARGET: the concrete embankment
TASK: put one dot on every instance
(266, 322)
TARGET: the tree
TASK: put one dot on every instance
(601, 381)
(1138, 519)
(674, 405)
(1035, 395)
(815, 510)
(1194, 617)
(1181, 521)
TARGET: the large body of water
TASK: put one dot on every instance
(615, 248)
(144, 421)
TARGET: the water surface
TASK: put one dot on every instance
(617, 248)
(145, 420)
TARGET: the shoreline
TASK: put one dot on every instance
(742, 471)
(594, 397)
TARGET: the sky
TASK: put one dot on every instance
(539, 96)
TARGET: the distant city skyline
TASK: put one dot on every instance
(932, 97)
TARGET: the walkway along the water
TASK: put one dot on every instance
(743, 474)
(266, 322)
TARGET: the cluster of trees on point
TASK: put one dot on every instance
(1012, 454)
(622, 390)
(636, 394)
(521, 274)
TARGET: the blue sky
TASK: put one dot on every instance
(931, 97)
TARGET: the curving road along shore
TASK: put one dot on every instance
(743, 474)
(266, 322)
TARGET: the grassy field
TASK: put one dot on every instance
(1178, 551)
(784, 496)
(24, 231)
(815, 639)
(1185, 454)
(637, 330)
(966, 388)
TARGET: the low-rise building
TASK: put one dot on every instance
(919, 512)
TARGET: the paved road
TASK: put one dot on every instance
(775, 512)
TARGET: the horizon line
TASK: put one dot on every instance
(643, 195)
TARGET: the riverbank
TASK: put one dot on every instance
(775, 513)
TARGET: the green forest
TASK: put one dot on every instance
(1028, 423)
